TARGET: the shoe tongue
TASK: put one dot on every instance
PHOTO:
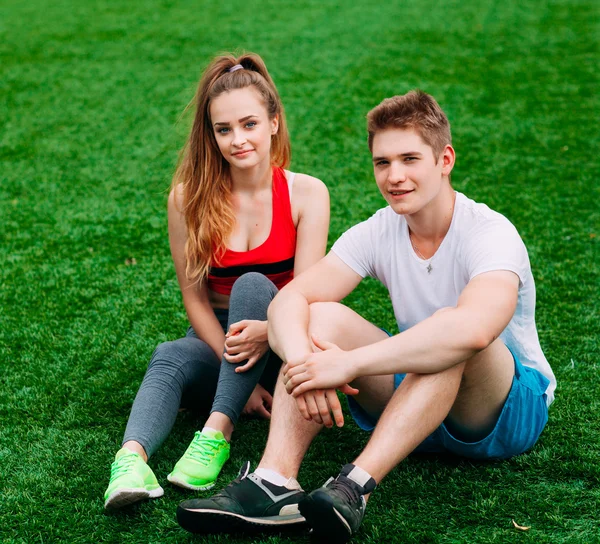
(293, 484)
(124, 451)
(213, 433)
(244, 470)
(359, 476)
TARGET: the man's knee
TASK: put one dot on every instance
(324, 315)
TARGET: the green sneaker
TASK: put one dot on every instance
(202, 461)
(131, 480)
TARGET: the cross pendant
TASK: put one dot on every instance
(429, 268)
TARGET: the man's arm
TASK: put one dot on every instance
(329, 280)
(448, 337)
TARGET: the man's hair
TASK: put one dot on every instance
(415, 110)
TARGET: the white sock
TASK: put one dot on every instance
(276, 478)
(209, 429)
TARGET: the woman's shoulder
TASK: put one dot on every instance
(176, 197)
(306, 186)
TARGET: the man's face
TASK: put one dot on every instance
(406, 171)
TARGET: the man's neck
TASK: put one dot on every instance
(429, 226)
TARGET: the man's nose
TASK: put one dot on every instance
(397, 173)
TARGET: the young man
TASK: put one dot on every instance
(465, 375)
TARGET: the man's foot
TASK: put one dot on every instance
(131, 480)
(202, 461)
(247, 503)
(335, 511)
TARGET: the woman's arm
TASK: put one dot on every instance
(310, 213)
(310, 210)
(195, 297)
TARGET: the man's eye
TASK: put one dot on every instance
(410, 159)
(381, 163)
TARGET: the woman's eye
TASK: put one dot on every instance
(250, 124)
(223, 130)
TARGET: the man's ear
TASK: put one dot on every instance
(448, 158)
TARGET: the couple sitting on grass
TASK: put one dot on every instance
(466, 374)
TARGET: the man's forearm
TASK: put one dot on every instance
(436, 344)
(288, 318)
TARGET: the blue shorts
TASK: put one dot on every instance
(520, 424)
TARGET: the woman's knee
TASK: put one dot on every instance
(253, 283)
(177, 353)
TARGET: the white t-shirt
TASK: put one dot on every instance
(479, 240)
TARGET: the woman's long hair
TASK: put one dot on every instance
(203, 171)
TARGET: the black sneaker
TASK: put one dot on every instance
(247, 503)
(336, 510)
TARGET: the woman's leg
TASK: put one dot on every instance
(176, 369)
(184, 368)
(250, 298)
(201, 464)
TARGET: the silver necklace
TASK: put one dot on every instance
(419, 254)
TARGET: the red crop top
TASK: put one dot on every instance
(274, 257)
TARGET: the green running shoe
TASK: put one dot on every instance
(131, 480)
(202, 461)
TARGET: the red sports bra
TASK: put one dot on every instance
(274, 257)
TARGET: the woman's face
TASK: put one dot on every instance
(242, 127)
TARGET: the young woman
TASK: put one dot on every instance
(240, 227)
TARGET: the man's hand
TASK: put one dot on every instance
(246, 339)
(317, 405)
(259, 404)
(329, 368)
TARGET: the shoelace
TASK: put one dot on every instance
(203, 448)
(122, 465)
(350, 492)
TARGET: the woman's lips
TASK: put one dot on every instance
(244, 153)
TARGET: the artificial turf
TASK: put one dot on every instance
(91, 96)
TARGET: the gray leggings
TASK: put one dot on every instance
(187, 373)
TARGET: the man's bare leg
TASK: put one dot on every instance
(290, 434)
(469, 396)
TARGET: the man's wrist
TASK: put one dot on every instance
(354, 362)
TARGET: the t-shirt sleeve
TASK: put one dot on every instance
(356, 247)
(496, 245)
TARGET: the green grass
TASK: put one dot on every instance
(90, 97)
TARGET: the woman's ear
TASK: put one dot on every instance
(274, 125)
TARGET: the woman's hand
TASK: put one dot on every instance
(246, 339)
(259, 404)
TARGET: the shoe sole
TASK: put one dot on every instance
(181, 483)
(127, 496)
(217, 521)
(327, 523)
